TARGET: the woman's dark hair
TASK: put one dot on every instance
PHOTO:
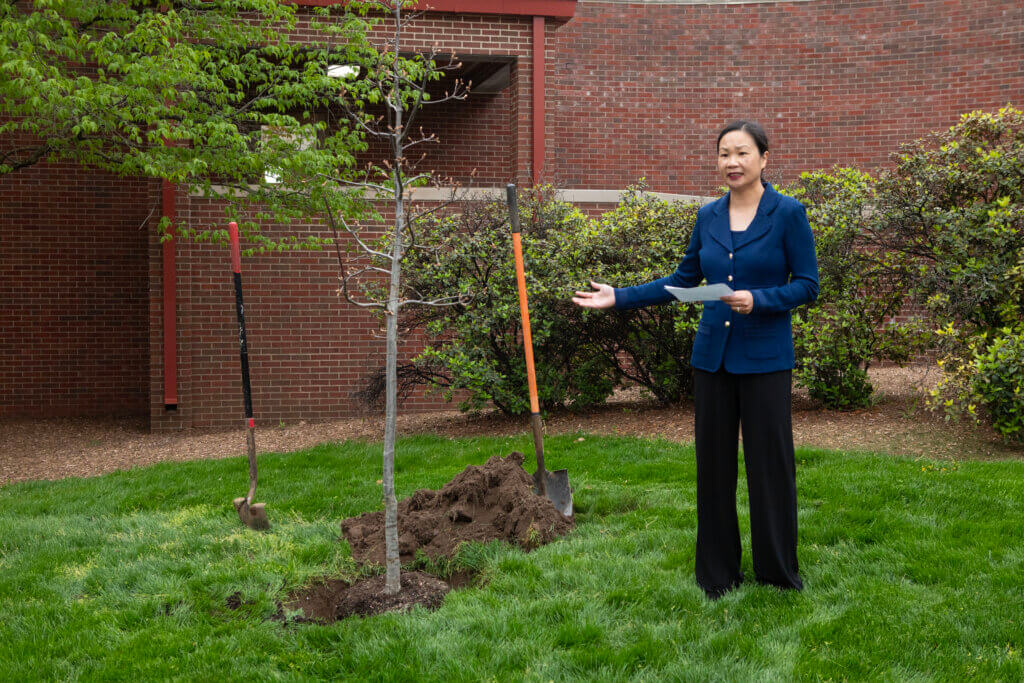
(752, 128)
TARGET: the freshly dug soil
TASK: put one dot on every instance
(482, 503)
(336, 599)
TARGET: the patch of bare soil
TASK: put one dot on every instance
(493, 501)
(333, 599)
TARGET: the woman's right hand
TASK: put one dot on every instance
(604, 297)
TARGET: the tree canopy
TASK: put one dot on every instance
(209, 94)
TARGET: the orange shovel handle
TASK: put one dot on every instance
(524, 310)
(531, 375)
(540, 477)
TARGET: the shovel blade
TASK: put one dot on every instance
(558, 490)
(253, 516)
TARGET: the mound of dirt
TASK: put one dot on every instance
(493, 501)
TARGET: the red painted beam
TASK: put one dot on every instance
(559, 9)
(538, 99)
(170, 287)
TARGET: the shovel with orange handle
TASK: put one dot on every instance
(552, 485)
(253, 515)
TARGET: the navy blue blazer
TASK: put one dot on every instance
(773, 258)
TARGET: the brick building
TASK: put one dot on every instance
(97, 317)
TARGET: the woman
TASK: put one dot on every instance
(759, 243)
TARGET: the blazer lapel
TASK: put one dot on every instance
(719, 227)
(762, 222)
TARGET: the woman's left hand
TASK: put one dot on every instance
(741, 301)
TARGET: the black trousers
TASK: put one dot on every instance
(761, 404)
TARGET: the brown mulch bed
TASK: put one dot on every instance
(79, 447)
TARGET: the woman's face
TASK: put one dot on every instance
(739, 161)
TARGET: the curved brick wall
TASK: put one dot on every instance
(642, 88)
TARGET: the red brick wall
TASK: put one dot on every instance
(476, 133)
(309, 350)
(472, 135)
(305, 347)
(632, 91)
(642, 89)
(73, 293)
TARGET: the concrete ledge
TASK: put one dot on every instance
(483, 194)
(573, 196)
(615, 196)
(688, 2)
(570, 195)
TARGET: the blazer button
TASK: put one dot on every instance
(730, 254)
(727, 323)
(730, 278)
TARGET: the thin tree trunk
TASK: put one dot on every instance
(393, 580)
(393, 583)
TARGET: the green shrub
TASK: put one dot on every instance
(475, 348)
(998, 382)
(642, 239)
(955, 201)
(862, 289)
(984, 377)
(832, 358)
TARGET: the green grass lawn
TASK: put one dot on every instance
(914, 570)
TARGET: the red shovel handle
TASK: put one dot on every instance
(236, 253)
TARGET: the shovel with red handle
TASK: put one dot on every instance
(552, 485)
(253, 515)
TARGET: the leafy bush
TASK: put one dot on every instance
(832, 357)
(862, 289)
(998, 382)
(984, 377)
(955, 202)
(476, 347)
(642, 239)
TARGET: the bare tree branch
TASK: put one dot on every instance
(418, 141)
(443, 301)
(354, 233)
(383, 189)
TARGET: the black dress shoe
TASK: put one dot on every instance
(716, 593)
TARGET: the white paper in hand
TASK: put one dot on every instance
(705, 293)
